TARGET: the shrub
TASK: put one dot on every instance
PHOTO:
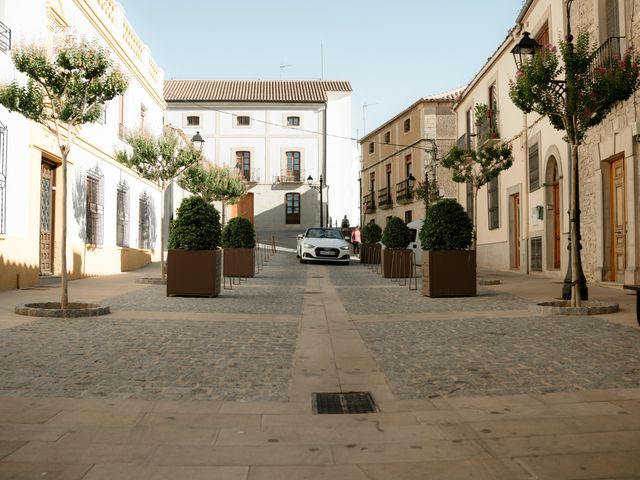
(238, 233)
(396, 234)
(447, 227)
(371, 233)
(196, 226)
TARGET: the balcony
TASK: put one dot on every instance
(289, 176)
(5, 38)
(464, 143)
(369, 203)
(404, 191)
(251, 176)
(608, 53)
(384, 198)
(488, 129)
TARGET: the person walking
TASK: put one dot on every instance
(355, 240)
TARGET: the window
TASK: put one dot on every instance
(102, 119)
(5, 38)
(536, 254)
(144, 221)
(372, 183)
(3, 179)
(193, 121)
(243, 163)
(408, 216)
(122, 215)
(293, 165)
(542, 37)
(407, 166)
(612, 11)
(243, 120)
(292, 206)
(95, 207)
(534, 168)
(293, 121)
(407, 125)
(492, 202)
(387, 137)
(470, 200)
(372, 147)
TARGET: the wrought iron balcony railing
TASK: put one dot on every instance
(369, 203)
(5, 38)
(384, 198)
(488, 128)
(464, 143)
(608, 53)
(404, 191)
(251, 176)
(289, 176)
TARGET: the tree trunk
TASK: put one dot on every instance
(475, 218)
(163, 189)
(64, 293)
(575, 274)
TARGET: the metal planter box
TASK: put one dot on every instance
(239, 262)
(449, 273)
(194, 273)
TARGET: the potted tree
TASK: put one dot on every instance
(238, 242)
(396, 258)
(370, 248)
(194, 260)
(449, 267)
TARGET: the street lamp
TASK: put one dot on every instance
(197, 141)
(526, 48)
(319, 189)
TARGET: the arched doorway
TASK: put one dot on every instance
(552, 194)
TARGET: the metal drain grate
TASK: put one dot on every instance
(348, 402)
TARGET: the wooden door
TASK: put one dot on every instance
(292, 205)
(244, 208)
(47, 178)
(618, 221)
(556, 225)
(515, 231)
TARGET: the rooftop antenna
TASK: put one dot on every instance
(321, 62)
(282, 67)
(364, 116)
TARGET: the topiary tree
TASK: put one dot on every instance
(371, 233)
(62, 94)
(196, 226)
(477, 168)
(214, 183)
(447, 227)
(592, 87)
(396, 234)
(161, 160)
(238, 233)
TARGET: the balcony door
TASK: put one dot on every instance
(292, 205)
(47, 188)
(617, 216)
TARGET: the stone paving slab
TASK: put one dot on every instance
(147, 359)
(498, 356)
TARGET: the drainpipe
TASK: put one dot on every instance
(324, 157)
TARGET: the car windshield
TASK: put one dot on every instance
(324, 233)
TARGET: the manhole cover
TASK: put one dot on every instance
(349, 402)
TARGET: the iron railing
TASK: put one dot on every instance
(488, 127)
(289, 176)
(404, 191)
(3, 178)
(369, 203)
(251, 176)
(5, 38)
(384, 197)
(464, 142)
(608, 53)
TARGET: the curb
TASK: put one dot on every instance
(49, 310)
(561, 307)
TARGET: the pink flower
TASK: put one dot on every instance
(519, 74)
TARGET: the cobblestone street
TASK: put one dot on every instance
(478, 385)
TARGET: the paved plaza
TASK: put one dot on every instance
(168, 387)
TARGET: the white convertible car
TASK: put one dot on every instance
(322, 244)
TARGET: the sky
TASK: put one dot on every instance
(392, 52)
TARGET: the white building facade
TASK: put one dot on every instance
(113, 215)
(276, 134)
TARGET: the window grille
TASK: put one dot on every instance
(536, 254)
(293, 121)
(144, 211)
(3, 179)
(534, 167)
(5, 38)
(193, 121)
(243, 120)
(122, 215)
(493, 203)
(95, 207)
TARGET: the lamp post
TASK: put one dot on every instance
(429, 167)
(319, 189)
(197, 141)
(565, 91)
